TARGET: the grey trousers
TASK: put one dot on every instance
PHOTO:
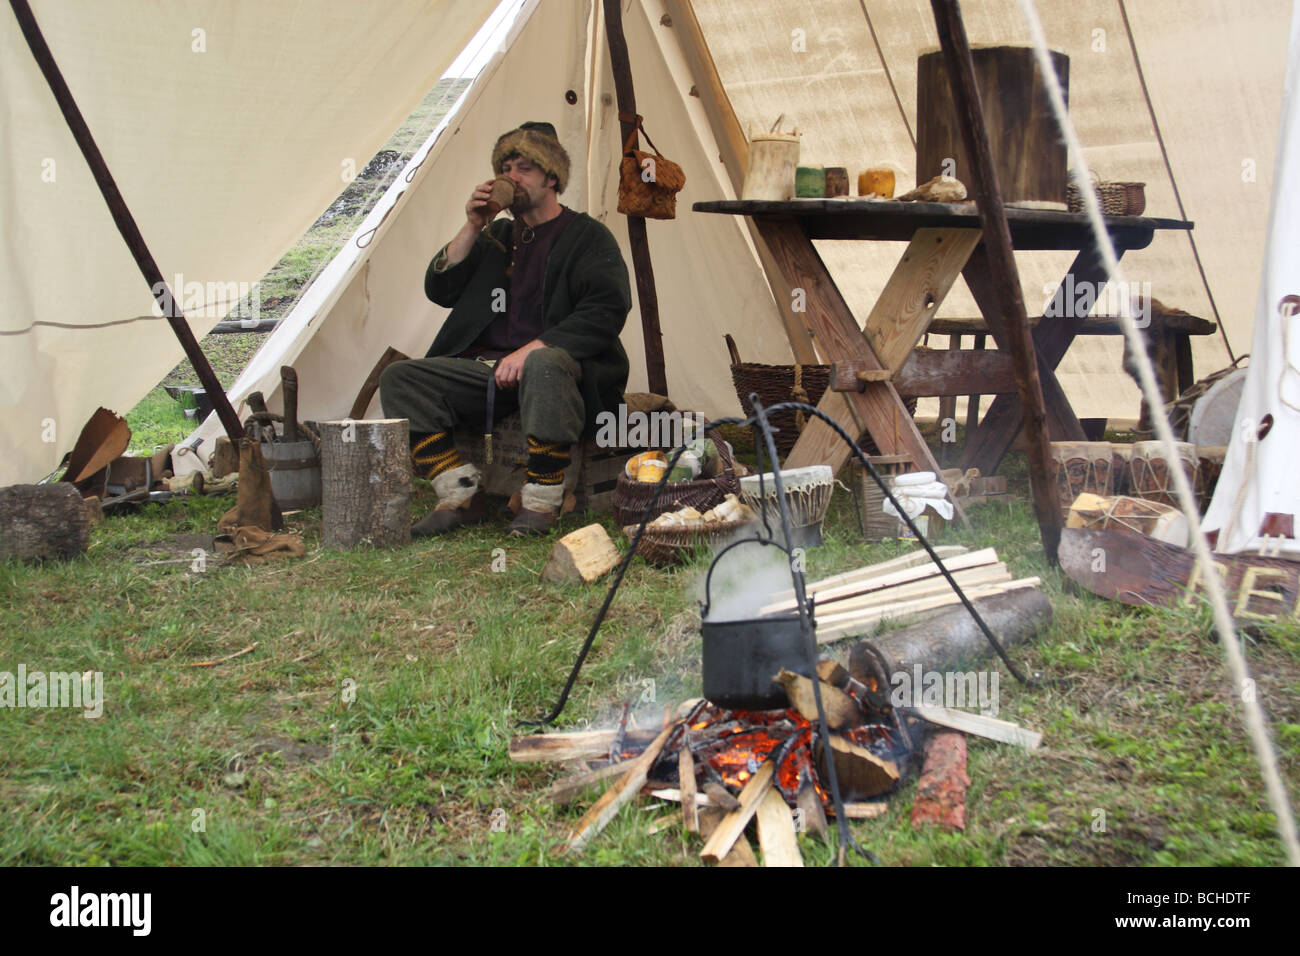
(444, 394)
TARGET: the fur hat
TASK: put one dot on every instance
(538, 143)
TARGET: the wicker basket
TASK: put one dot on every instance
(632, 497)
(774, 384)
(1117, 199)
(669, 546)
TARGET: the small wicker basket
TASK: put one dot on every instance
(668, 546)
(632, 497)
(1117, 199)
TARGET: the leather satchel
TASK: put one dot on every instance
(648, 183)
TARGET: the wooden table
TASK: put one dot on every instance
(943, 242)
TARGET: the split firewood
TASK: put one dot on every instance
(862, 811)
(581, 745)
(721, 796)
(833, 672)
(862, 621)
(814, 812)
(583, 555)
(841, 709)
(686, 776)
(741, 854)
(933, 586)
(910, 560)
(613, 799)
(941, 791)
(40, 522)
(674, 795)
(776, 834)
(1003, 731)
(733, 824)
(860, 772)
(570, 788)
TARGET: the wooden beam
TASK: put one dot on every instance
(1006, 277)
(933, 260)
(647, 296)
(929, 372)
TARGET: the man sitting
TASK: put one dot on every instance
(537, 304)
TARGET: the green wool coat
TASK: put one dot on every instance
(586, 298)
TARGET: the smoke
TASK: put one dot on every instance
(745, 579)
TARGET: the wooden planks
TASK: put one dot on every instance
(776, 834)
(1003, 731)
(572, 746)
(733, 824)
(613, 799)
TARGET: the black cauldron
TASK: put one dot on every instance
(742, 657)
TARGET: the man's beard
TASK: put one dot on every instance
(522, 204)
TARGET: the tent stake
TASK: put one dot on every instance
(636, 232)
(123, 218)
(1002, 263)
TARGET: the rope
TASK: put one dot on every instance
(1252, 713)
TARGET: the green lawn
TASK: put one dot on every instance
(443, 655)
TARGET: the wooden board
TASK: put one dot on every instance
(1003, 731)
(733, 824)
(1134, 569)
(776, 835)
(909, 560)
(930, 372)
(933, 260)
(862, 621)
(579, 745)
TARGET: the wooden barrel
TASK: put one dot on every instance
(1149, 473)
(773, 158)
(1080, 467)
(1028, 151)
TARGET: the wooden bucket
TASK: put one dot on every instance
(1151, 518)
(1079, 467)
(1149, 475)
(773, 159)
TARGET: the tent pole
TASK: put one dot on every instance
(636, 231)
(123, 218)
(1005, 279)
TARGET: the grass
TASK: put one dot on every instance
(370, 725)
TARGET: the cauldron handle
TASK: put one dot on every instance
(708, 578)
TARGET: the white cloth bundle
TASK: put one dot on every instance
(919, 491)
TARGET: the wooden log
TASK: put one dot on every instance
(741, 853)
(941, 791)
(776, 834)
(841, 709)
(1125, 566)
(983, 173)
(721, 796)
(952, 637)
(943, 372)
(570, 788)
(43, 522)
(365, 483)
(1003, 731)
(583, 555)
(733, 824)
(860, 772)
(686, 779)
(580, 745)
(862, 811)
(613, 799)
(812, 811)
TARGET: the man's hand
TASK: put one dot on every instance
(475, 214)
(511, 368)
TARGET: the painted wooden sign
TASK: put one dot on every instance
(1130, 567)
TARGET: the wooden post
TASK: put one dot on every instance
(122, 217)
(1006, 278)
(646, 295)
(365, 483)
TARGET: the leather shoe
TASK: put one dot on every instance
(443, 520)
(531, 522)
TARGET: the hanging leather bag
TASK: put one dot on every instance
(648, 183)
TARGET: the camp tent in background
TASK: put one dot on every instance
(226, 156)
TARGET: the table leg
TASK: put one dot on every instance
(1052, 337)
(948, 412)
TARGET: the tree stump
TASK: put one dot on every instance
(365, 483)
(43, 521)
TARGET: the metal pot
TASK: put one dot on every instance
(741, 657)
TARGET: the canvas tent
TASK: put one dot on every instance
(1181, 95)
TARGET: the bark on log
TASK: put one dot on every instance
(941, 791)
(365, 483)
(952, 637)
(38, 522)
